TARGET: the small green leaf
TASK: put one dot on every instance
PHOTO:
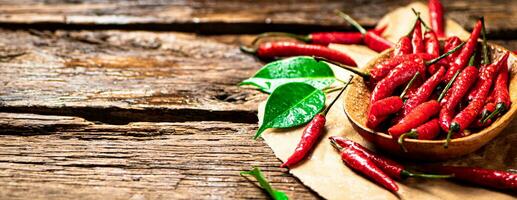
(296, 69)
(290, 105)
(275, 194)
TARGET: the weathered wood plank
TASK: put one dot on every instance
(118, 76)
(236, 16)
(150, 160)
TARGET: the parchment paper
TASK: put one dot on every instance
(325, 173)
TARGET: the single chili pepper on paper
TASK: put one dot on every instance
(461, 60)
(288, 49)
(418, 116)
(501, 93)
(360, 162)
(393, 169)
(436, 17)
(498, 179)
(312, 132)
(423, 93)
(427, 131)
(373, 40)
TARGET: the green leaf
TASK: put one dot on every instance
(290, 105)
(296, 69)
(275, 194)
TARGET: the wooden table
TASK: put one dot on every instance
(139, 100)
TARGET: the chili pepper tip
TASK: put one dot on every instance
(248, 50)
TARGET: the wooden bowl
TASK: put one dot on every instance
(356, 104)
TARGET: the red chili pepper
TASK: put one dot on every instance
(419, 115)
(432, 45)
(461, 60)
(436, 17)
(487, 109)
(423, 93)
(397, 77)
(403, 47)
(416, 40)
(311, 134)
(381, 109)
(373, 40)
(360, 162)
(451, 43)
(498, 179)
(427, 131)
(288, 49)
(487, 72)
(393, 169)
(501, 93)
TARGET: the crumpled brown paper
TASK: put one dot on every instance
(324, 171)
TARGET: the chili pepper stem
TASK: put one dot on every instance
(448, 86)
(351, 69)
(486, 59)
(405, 174)
(400, 141)
(453, 128)
(351, 21)
(500, 107)
(420, 19)
(281, 34)
(409, 85)
(248, 50)
(433, 61)
(335, 144)
(472, 59)
(336, 98)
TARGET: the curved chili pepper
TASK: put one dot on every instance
(423, 93)
(488, 72)
(427, 131)
(393, 169)
(311, 134)
(501, 93)
(498, 179)
(451, 43)
(381, 109)
(461, 60)
(419, 115)
(383, 68)
(288, 49)
(373, 40)
(359, 162)
(397, 77)
(416, 40)
(436, 17)
(403, 47)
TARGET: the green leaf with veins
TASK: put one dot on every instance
(290, 105)
(296, 69)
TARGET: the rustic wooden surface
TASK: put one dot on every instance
(147, 112)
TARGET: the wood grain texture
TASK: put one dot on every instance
(230, 16)
(106, 75)
(73, 159)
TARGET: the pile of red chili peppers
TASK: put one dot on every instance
(448, 93)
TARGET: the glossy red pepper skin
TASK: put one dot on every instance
(501, 93)
(450, 44)
(359, 162)
(403, 47)
(498, 179)
(379, 110)
(432, 45)
(383, 68)
(418, 116)
(376, 42)
(311, 133)
(436, 17)
(487, 72)
(325, 38)
(417, 41)
(423, 93)
(398, 76)
(463, 57)
(487, 109)
(287, 49)
(429, 130)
